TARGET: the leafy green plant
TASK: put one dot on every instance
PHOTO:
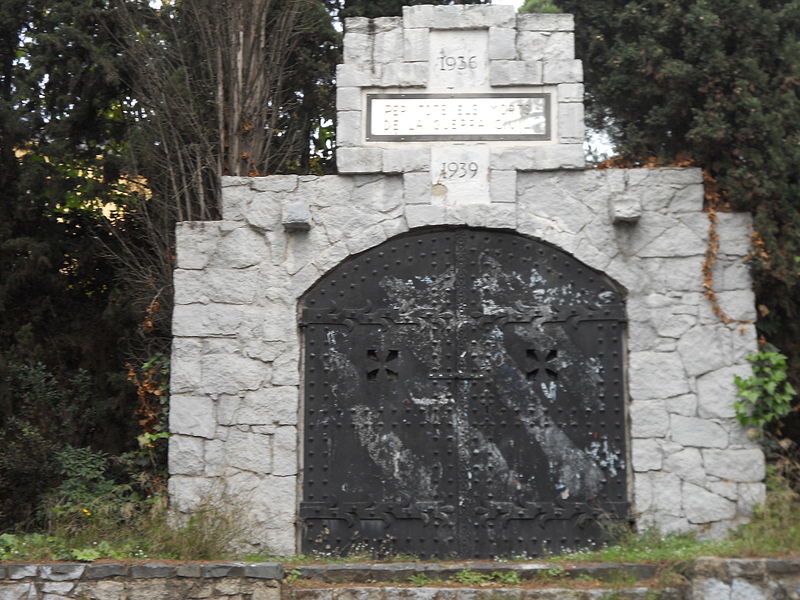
(767, 395)
(470, 577)
(506, 577)
(292, 575)
(419, 580)
(555, 572)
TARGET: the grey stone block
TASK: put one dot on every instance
(357, 25)
(357, 47)
(420, 215)
(687, 464)
(189, 570)
(416, 45)
(417, 16)
(570, 121)
(296, 216)
(496, 216)
(22, 571)
(275, 183)
(530, 158)
(230, 181)
(570, 92)
(20, 591)
(192, 415)
(265, 570)
(646, 455)
(405, 75)
(185, 455)
(562, 71)
(502, 43)
(358, 75)
(388, 46)
(349, 132)
(656, 375)
(547, 46)
(348, 99)
(716, 391)
(223, 570)
(745, 465)
(700, 433)
(195, 243)
(417, 187)
(545, 22)
(515, 72)
(405, 159)
(458, 17)
(503, 185)
(649, 419)
(782, 566)
(702, 506)
(62, 571)
(359, 160)
(625, 208)
(152, 571)
(57, 590)
(386, 24)
(284, 451)
(105, 571)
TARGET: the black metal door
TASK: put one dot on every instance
(464, 397)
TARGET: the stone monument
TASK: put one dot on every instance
(541, 327)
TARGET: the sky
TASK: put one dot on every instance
(516, 3)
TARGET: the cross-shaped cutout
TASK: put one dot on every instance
(382, 364)
(542, 361)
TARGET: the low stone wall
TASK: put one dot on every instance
(705, 579)
(150, 581)
(744, 579)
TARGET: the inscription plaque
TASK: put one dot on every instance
(450, 117)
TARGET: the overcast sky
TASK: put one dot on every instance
(516, 3)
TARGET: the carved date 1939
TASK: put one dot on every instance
(458, 170)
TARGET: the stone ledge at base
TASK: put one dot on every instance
(705, 579)
(147, 581)
(468, 593)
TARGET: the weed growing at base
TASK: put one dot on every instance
(151, 532)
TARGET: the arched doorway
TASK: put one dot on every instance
(464, 396)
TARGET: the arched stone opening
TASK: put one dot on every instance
(464, 395)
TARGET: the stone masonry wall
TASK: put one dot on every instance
(236, 384)
(704, 579)
(393, 54)
(236, 390)
(149, 581)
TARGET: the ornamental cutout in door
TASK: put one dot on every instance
(463, 397)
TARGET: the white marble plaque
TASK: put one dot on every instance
(459, 60)
(430, 117)
(460, 174)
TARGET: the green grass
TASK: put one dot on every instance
(148, 532)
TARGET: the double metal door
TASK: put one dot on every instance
(463, 397)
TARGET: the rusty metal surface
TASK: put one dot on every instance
(464, 397)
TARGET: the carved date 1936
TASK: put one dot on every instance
(457, 63)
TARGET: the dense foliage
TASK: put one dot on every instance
(117, 118)
(63, 321)
(120, 108)
(715, 83)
